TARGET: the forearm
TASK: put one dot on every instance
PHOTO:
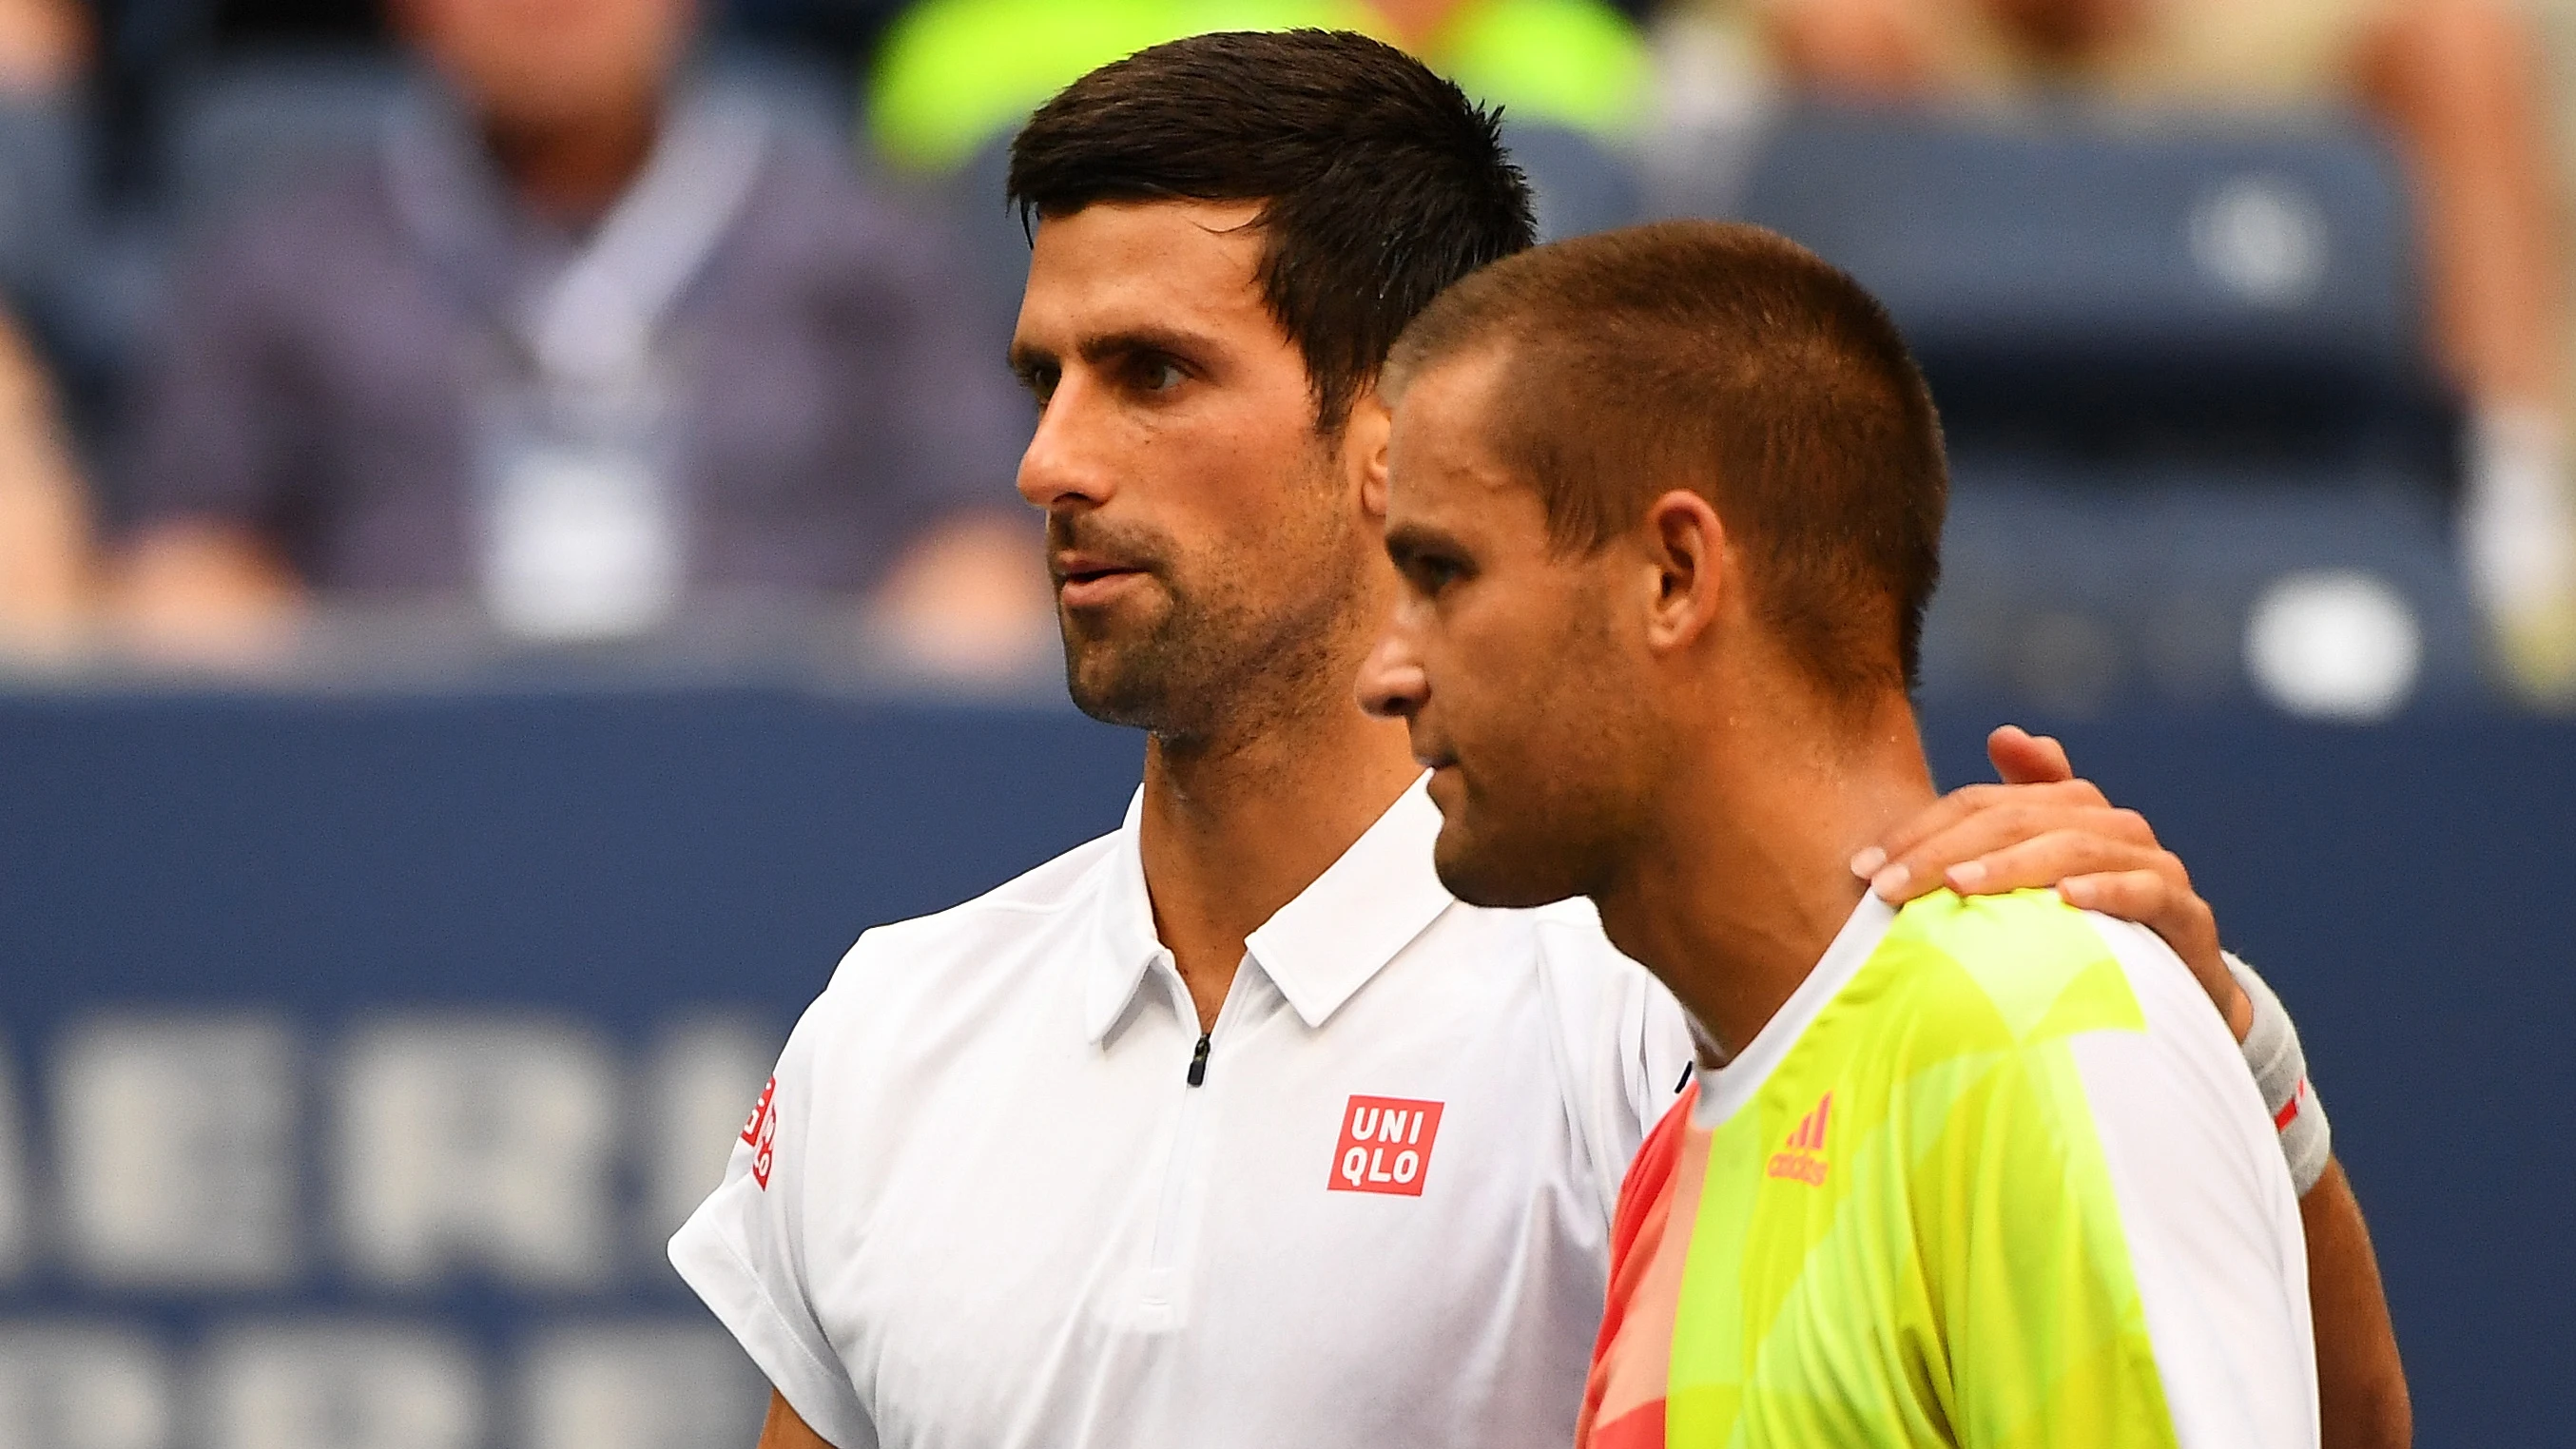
(2361, 1384)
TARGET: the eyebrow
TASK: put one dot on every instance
(1110, 346)
(1406, 542)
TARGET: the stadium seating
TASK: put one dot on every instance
(1580, 185)
(2176, 364)
(2110, 281)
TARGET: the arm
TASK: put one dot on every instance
(192, 591)
(2361, 1385)
(44, 529)
(2047, 828)
(969, 598)
(784, 1430)
(744, 1252)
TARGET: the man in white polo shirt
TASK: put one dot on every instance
(1233, 1126)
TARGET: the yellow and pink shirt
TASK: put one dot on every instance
(1994, 1175)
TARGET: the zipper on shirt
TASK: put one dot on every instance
(1185, 1133)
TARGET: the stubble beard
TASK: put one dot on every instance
(1218, 661)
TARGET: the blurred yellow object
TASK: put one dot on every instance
(2537, 649)
(2517, 524)
(958, 74)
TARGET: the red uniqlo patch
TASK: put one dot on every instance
(1385, 1146)
(761, 1133)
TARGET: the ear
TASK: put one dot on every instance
(1364, 452)
(1685, 543)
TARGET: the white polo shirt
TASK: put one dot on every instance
(986, 1201)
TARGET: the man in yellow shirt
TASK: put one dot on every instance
(1667, 506)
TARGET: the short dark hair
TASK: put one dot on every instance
(1381, 183)
(1728, 359)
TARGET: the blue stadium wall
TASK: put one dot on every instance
(359, 1051)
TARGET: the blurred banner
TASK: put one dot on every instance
(361, 1050)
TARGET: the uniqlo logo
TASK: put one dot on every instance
(760, 1134)
(1385, 1146)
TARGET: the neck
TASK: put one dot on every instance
(1742, 882)
(1235, 828)
(573, 171)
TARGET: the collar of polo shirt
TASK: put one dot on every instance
(1319, 949)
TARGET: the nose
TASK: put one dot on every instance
(1063, 467)
(1392, 682)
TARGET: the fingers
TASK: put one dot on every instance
(2134, 894)
(2022, 758)
(2095, 843)
(1980, 819)
(1963, 804)
(2163, 902)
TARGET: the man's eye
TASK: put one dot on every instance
(1040, 382)
(1432, 573)
(1158, 374)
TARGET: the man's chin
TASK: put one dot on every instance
(1483, 873)
(1119, 681)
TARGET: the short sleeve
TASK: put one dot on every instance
(2208, 1213)
(744, 1251)
(2117, 1252)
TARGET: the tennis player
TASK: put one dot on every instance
(1667, 504)
(1234, 1126)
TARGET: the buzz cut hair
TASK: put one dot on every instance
(1729, 360)
(1380, 183)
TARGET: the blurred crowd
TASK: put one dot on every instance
(581, 316)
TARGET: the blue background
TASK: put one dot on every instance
(615, 857)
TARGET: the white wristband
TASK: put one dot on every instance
(2280, 1069)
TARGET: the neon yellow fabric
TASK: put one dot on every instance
(956, 74)
(1932, 1254)
(1574, 63)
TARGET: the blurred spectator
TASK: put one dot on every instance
(43, 44)
(44, 529)
(2458, 83)
(958, 75)
(44, 533)
(589, 336)
(44, 52)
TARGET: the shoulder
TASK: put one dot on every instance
(986, 933)
(2027, 978)
(1584, 975)
(1570, 940)
(284, 236)
(1999, 971)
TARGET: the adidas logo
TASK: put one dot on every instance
(1798, 1158)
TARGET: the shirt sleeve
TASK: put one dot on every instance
(744, 1252)
(2207, 1208)
(2119, 1255)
